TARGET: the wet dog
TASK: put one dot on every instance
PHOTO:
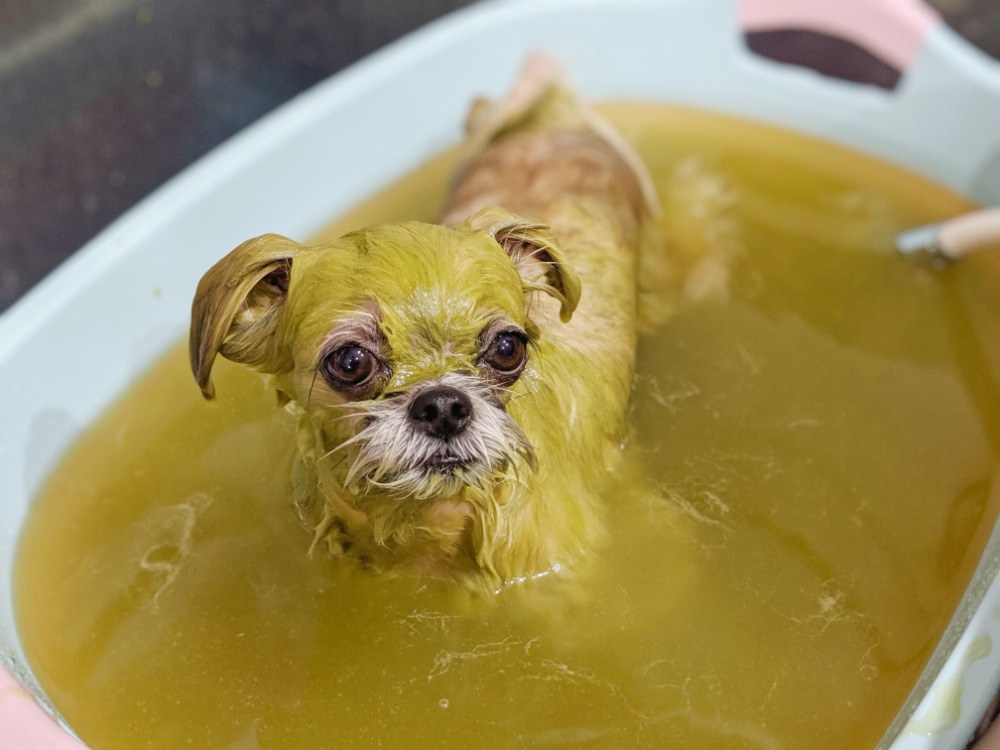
(461, 388)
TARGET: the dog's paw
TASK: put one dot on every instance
(337, 539)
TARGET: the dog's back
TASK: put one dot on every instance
(544, 154)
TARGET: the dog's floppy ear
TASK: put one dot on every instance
(236, 308)
(535, 253)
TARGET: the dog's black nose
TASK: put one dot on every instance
(442, 411)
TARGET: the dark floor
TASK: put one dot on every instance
(101, 101)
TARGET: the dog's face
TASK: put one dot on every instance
(406, 342)
(401, 343)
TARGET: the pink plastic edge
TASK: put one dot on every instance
(893, 30)
(25, 725)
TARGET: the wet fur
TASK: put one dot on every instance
(541, 232)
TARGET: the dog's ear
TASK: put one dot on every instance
(535, 253)
(236, 308)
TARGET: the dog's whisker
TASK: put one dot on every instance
(343, 417)
(356, 405)
(339, 446)
(483, 450)
(312, 384)
(329, 453)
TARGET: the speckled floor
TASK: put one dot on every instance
(101, 101)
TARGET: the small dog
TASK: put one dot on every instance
(461, 389)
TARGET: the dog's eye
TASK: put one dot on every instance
(349, 365)
(507, 353)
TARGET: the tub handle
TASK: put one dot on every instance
(863, 41)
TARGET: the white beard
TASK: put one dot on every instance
(394, 456)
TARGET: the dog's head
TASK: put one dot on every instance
(400, 343)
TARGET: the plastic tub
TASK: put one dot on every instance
(892, 81)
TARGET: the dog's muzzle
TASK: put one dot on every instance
(449, 433)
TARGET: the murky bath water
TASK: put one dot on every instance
(811, 480)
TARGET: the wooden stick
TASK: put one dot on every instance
(954, 238)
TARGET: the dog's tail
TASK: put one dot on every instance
(542, 99)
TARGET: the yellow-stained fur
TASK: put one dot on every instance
(538, 243)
